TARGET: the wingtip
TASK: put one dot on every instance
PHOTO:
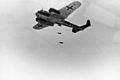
(78, 2)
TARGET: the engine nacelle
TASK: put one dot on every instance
(42, 12)
(54, 10)
(40, 20)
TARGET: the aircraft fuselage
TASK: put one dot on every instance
(49, 17)
(53, 16)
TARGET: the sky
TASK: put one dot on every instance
(92, 54)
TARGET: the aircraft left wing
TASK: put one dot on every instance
(67, 10)
(39, 26)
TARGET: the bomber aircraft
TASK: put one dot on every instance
(53, 16)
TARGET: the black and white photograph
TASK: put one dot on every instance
(59, 39)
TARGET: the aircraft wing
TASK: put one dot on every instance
(67, 10)
(39, 26)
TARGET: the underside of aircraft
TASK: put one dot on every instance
(53, 16)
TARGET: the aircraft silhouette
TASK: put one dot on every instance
(53, 16)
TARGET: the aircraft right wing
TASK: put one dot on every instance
(39, 26)
(67, 10)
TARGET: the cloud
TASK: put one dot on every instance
(101, 15)
(116, 37)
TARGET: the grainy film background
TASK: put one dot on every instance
(92, 54)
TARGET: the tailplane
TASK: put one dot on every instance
(88, 24)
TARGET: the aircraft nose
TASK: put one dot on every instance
(36, 14)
